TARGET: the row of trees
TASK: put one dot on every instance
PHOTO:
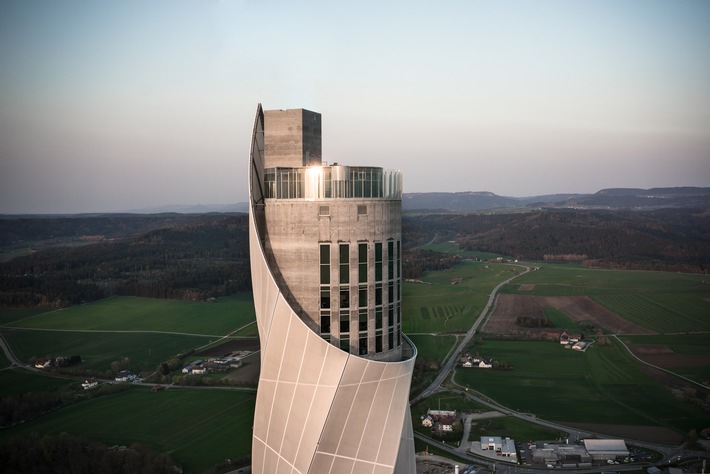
(67, 453)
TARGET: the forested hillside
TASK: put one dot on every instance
(189, 257)
(668, 239)
(197, 257)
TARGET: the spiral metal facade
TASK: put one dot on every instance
(326, 402)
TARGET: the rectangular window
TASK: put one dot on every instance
(323, 210)
(344, 297)
(362, 350)
(390, 292)
(378, 294)
(399, 260)
(344, 322)
(362, 320)
(362, 263)
(378, 318)
(390, 315)
(390, 260)
(344, 263)
(378, 261)
(345, 344)
(325, 297)
(399, 336)
(325, 322)
(325, 264)
(378, 343)
(361, 209)
(362, 296)
(390, 339)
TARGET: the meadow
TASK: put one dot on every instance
(519, 430)
(602, 385)
(438, 306)
(127, 313)
(198, 427)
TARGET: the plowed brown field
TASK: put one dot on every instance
(578, 308)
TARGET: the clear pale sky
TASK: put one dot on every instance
(116, 105)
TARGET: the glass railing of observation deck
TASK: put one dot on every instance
(332, 182)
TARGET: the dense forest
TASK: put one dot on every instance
(667, 239)
(69, 260)
(189, 257)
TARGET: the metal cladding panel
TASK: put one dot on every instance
(316, 415)
(313, 365)
(339, 412)
(297, 417)
(373, 372)
(406, 458)
(278, 425)
(357, 423)
(262, 411)
(321, 463)
(346, 465)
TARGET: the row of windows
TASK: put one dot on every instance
(394, 339)
(393, 262)
(324, 182)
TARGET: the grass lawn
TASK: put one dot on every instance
(9, 315)
(602, 385)
(122, 313)
(199, 428)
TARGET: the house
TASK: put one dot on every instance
(485, 364)
(468, 363)
(427, 421)
(564, 338)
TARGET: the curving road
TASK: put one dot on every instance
(453, 357)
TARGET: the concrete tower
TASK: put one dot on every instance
(325, 243)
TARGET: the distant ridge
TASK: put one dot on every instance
(612, 198)
(473, 201)
(191, 208)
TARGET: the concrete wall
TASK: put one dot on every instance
(294, 230)
(292, 138)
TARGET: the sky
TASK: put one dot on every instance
(109, 106)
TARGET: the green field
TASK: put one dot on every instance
(433, 347)
(9, 315)
(561, 320)
(144, 314)
(199, 428)
(519, 430)
(601, 385)
(682, 345)
(437, 306)
(18, 381)
(99, 349)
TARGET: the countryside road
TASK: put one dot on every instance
(453, 357)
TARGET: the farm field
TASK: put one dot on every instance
(685, 354)
(16, 381)
(601, 385)
(200, 428)
(433, 347)
(126, 313)
(99, 349)
(438, 306)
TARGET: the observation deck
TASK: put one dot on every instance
(332, 182)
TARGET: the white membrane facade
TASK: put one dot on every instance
(324, 248)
